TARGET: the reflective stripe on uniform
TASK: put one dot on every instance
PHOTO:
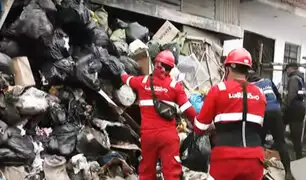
(128, 80)
(238, 117)
(185, 106)
(221, 86)
(173, 83)
(149, 102)
(200, 125)
(268, 91)
(145, 79)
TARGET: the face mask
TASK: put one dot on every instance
(159, 70)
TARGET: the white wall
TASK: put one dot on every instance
(280, 25)
(279, 49)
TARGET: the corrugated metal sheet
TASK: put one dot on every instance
(204, 8)
(228, 11)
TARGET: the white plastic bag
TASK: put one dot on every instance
(32, 102)
(125, 95)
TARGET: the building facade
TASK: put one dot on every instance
(282, 21)
(274, 31)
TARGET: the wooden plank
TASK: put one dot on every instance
(162, 12)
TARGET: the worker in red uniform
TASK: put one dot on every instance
(159, 137)
(236, 109)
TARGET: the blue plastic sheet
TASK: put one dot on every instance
(197, 101)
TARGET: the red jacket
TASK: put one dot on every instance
(223, 104)
(166, 89)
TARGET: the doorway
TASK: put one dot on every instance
(261, 49)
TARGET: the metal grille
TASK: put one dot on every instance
(291, 53)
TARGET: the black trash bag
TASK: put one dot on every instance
(49, 7)
(73, 11)
(124, 135)
(59, 71)
(122, 47)
(130, 66)
(10, 48)
(57, 114)
(33, 23)
(112, 69)
(5, 63)
(174, 48)
(154, 49)
(112, 49)
(137, 31)
(3, 135)
(10, 158)
(98, 36)
(118, 24)
(92, 142)
(87, 70)
(195, 152)
(21, 145)
(80, 111)
(63, 139)
(79, 51)
(57, 45)
(52, 75)
(65, 65)
(8, 112)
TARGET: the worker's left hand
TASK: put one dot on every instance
(211, 128)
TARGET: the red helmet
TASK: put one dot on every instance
(239, 56)
(165, 57)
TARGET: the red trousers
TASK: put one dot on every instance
(237, 169)
(163, 144)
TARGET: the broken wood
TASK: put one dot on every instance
(131, 122)
(207, 64)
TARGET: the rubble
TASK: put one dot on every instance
(62, 103)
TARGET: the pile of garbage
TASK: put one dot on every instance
(62, 103)
(60, 90)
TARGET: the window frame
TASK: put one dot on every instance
(292, 53)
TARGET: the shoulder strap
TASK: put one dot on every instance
(152, 88)
(245, 103)
(244, 100)
(300, 80)
(145, 79)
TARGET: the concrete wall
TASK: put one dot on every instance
(278, 24)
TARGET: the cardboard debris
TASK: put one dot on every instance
(23, 75)
(166, 33)
(271, 154)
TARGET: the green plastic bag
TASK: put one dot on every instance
(154, 49)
